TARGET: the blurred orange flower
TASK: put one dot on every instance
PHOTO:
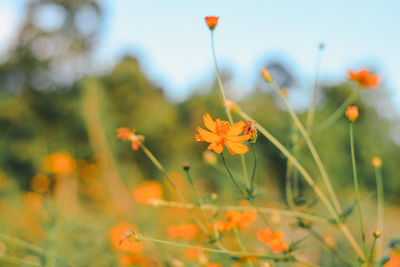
(117, 233)
(364, 78)
(352, 113)
(213, 264)
(240, 219)
(60, 163)
(147, 191)
(275, 240)
(40, 183)
(222, 133)
(186, 231)
(394, 261)
(125, 134)
(376, 162)
(212, 22)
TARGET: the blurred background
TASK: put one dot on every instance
(73, 71)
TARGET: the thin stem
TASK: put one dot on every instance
(240, 242)
(313, 151)
(335, 252)
(18, 261)
(353, 162)
(161, 168)
(283, 212)
(22, 243)
(380, 207)
(338, 113)
(228, 113)
(311, 182)
(231, 176)
(200, 202)
(253, 173)
(214, 250)
(372, 252)
(311, 109)
(288, 186)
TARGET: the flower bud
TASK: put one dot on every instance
(212, 22)
(266, 75)
(376, 162)
(352, 113)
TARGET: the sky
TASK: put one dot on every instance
(172, 42)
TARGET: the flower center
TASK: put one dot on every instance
(222, 127)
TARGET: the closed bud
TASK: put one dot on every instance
(376, 162)
(186, 166)
(266, 75)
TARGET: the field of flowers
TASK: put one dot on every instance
(103, 177)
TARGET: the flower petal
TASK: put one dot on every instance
(236, 129)
(209, 123)
(217, 147)
(236, 148)
(207, 136)
(239, 138)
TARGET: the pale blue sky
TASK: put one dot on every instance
(173, 44)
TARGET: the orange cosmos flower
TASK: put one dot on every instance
(60, 163)
(364, 78)
(129, 135)
(394, 261)
(274, 240)
(117, 234)
(147, 191)
(212, 22)
(240, 219)
(186, 231)
(213, 264)
(222, 133)
(352, 113)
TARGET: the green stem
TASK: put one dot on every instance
(380, 207)
(214, 250)
(312, 149)
(372, 252)
(231, 176)
(18, 261)
(240, 242)
(263, 210)
(228, 113)
(200, 202)
(353, 161)
(162, 169)
(22, 243)
(338, 113)
(311, 109)
(307, 177)
(253, 174)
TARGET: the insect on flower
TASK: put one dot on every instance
(222, 133)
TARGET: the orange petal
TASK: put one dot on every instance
(239, 138)
(207, 136)
(236, 148)
(217, 147)
(209, 122)
(236, 129)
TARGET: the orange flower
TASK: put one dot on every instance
(147, 191)
(352, 113)
(117, 234)
(213, 264)
(394, 261)
(376, 162)
(364, 78)
(60, 163)
(186, 231)
(212, 22)
(129, 135)
(274, 240)
(222, 133)
(220, 226)
(240, 219)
